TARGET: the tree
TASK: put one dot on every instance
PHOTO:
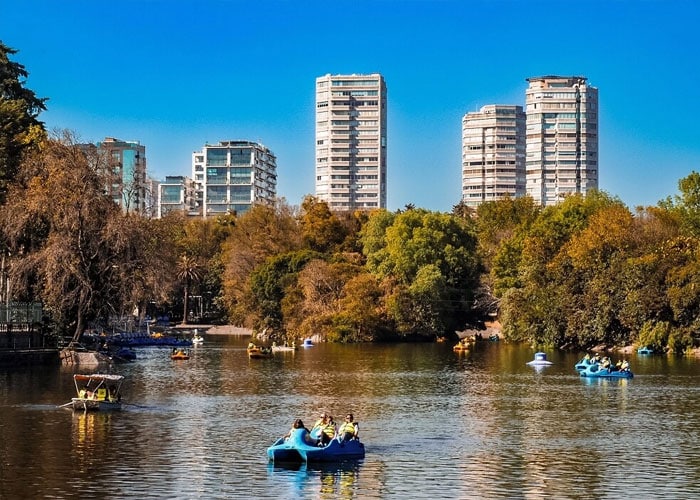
(20, 130)
(71, 245)
(188, 271)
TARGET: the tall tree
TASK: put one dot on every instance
(19, 108)
(71, 245)
(188, 272)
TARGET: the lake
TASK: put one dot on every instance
(436, 424)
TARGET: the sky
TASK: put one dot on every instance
(175, 75)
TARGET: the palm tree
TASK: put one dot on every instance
(188, 270)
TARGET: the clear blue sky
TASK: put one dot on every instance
(177, 74)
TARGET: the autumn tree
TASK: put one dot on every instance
(261, 233)
(69, 245)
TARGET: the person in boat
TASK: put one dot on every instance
(251, 345)
(625, 366)
(83, 393)
(297, 424)
(349, 430)
(328, 431)
(606, 362)
(101, 394)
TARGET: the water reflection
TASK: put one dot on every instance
(435, 423)
(330, 480)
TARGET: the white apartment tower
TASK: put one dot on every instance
(493, 154)
(231, 176)
(351, 141)
(562, 138)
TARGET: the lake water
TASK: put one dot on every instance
(436, 424)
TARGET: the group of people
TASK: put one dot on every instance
(606, 362)
(326, 429)
(102, 393)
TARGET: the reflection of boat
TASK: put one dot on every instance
(645, 350)
(256, 352)
(308, 343)
(596, 370)
(97, 392)
(179, 354)
(540, 360)
(300, 447)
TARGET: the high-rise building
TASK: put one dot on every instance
(232, 176)
(125, 162)
(493, 154)
(351, 141)
(562, 138)
(177, 194)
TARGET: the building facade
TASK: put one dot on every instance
(126, 172)
(232, 176)
(177, 194)
(493, 154)
(351, 141)
(562, 138)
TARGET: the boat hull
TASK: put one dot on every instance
(83, 404)
(297, 448)
(597, 371)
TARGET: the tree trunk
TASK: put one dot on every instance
(184, 312)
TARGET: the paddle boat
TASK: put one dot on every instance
(180, 354)
(540, 360)
(301, 447)
(646, 350)
(584, 363)
(197, 339)
(596, 370)
(255, 352)
(97, 392)
(307, 343)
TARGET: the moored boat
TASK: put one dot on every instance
(300, 447)
(97, 392)
(646, 350)
(284, 348)
(308, 343)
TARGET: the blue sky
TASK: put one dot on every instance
(177, 74)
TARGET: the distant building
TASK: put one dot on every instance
(351, 141)
(126, 171)
(177, 194)
(562, 137)
(493, 154)
(232, 176)
(152, 197)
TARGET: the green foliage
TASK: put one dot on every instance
(20, 130)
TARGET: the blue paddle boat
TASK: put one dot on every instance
(584, 363)
(645, 350)
(596, 370)
(301, 447)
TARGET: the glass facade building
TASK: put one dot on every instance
(232, 176)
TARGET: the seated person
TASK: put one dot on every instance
(327, 429)
(349, 430)
(297, 424)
